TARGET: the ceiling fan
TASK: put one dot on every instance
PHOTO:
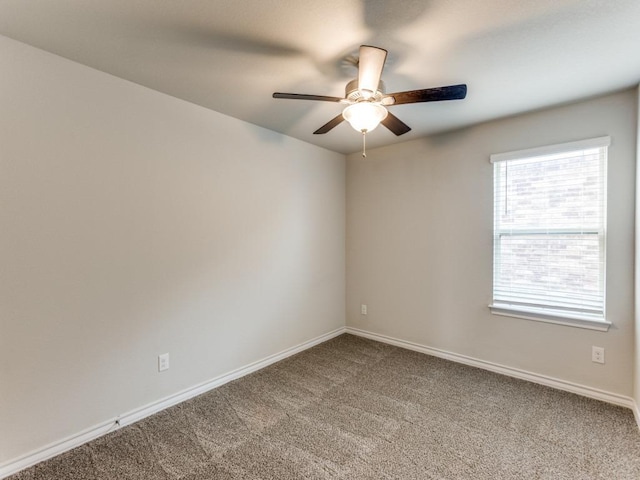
(367, 101)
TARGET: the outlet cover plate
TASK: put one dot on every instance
(597, 354)
(163, 362)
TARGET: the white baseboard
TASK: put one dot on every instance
(96, 431)
(556, 383)
(636, 413)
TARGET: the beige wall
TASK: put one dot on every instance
(419, 244)
(135, 224)
(637, 272)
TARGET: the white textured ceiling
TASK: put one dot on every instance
(229, 56)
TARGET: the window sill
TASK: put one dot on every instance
(559, 318)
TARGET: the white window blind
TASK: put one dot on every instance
(550, 230)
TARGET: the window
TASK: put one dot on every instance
(550, 233)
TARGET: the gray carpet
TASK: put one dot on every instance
(357, 409)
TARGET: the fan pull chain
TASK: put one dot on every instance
(364, 143)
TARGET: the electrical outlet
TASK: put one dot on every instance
(597, 354)
(363, 309)
(163, 362)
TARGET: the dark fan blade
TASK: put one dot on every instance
(334, 122)
(452, 92)
(396, 125)
(301, 96)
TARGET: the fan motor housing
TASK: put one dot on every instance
(352, 93)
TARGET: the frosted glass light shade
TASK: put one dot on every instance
(364, 116)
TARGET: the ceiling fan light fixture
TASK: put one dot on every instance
(364, 116)
(367, 99)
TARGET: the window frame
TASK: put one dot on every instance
(549, 314)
